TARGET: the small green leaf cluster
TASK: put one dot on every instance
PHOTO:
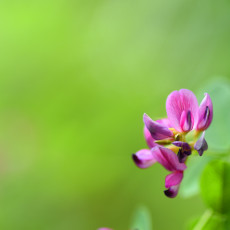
(210, 175)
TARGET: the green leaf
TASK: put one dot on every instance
(215, 186)
(141, 219)
(190, 185)
(218, 134)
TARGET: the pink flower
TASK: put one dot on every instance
(104, 229)
(183, 111)
(184, 116)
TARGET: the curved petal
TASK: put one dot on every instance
(148, 137)
(157, 130)
(149, 140)
(172, 191)
(174, 178)
(182, 109)
(167, 158)
(205, 113)
(165, 122)
(144, 158)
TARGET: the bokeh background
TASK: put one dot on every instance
(75, 80)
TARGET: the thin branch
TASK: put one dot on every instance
(204, 220)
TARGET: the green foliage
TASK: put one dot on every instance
(141, 220)
(215, 222)
(190, 184)
(217, 136)
(215, 186)
(215, 179)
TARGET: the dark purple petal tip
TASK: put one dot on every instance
(201, 145)
(143, 158)
(172, 191)
(136, 159)
(184, 145)
(184, 151)
(181, 156)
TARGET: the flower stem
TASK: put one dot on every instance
(204, 220)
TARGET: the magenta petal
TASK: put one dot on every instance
(165, 122)
(167, 158)
(144, 158)
(183, 119)
(174, 178)
(172, 191)
(149, 140)
(157, 130)
(205, 114)
(178, 102)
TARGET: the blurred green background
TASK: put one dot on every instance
(75, 80)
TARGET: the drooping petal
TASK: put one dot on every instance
(205, 113)
(143, 158)
(157, 130)
(149, 140)
(182, 109)
(167, 158)
(201, 145)
(172, 191)
(174, 178)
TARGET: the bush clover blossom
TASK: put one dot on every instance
(104, 229)
(168, 140)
